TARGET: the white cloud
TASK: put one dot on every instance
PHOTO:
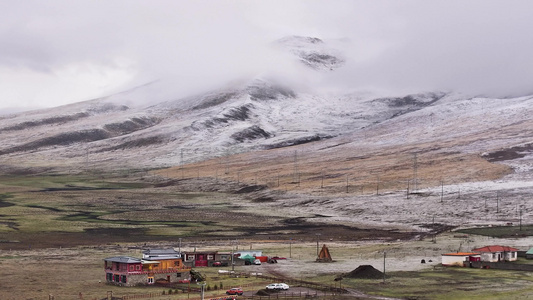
(60, 51)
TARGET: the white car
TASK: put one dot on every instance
(277, 286)
(283, 286)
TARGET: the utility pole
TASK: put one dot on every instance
(497, 201)
(441, 190)
(520, 219)
(407, 194)
(296, 166)
(290, 248)
(384, 257)
(377, 186)
(347, 191)
(415, 171)
(317, 235)
(181, 162)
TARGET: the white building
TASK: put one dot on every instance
(497, 253)
(460, 259)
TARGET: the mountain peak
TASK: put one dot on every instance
(312, 52)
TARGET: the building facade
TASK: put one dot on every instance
(460, 259)
(130, 271)
(497, 253)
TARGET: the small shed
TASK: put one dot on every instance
(529, 254)
(460, 259)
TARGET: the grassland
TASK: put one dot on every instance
(56, 230)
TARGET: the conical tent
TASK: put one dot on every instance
(324, 255)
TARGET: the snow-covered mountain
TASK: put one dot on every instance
(258, 114)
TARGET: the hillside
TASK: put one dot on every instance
(318, 152)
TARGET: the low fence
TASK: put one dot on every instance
(326, 291)
(501, 266)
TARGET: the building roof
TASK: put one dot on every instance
(460, 254)
(123, 259)
(495, 248)
(530, 251)
(169, 251)
(157, 254)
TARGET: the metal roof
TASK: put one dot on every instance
(495, 248)
(123, 259)
(460, 254)
(160, 251)
(150, 262)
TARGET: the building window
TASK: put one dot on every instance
(190, 257)
(138, 267)
(224, 257)
(117, 278)
(150, 280)
(210, 257)
(109, 277)
(132, 268)
(123, 279)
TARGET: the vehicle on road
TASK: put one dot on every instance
(277, 286)
(283, 286)
(235, 291)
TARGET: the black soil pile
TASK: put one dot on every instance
(365, 272)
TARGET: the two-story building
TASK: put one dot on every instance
(157, 265)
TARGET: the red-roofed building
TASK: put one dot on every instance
(497, 253)
(460, 259)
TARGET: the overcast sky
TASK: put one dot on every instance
(56, 52)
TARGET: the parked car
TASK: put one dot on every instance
(257, 262)
(217, 264)
(283, 286)
(277, 286)
(234, 291)
(272, 286)
(184, 281)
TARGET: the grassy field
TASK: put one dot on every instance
(67, 210)
(501, 231)
(55, 232)
(447, 283)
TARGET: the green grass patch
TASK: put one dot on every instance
(449, 283)
(501, 231)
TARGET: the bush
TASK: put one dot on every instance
(221, 286)
(208, 287)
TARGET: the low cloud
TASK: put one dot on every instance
(56, 52)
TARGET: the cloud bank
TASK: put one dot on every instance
(56, 52)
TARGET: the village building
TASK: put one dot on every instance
(529, 253)
(253, 253)
(158, 265)
(210, 259)
(460, 259)
(497, 253)
(199, 258)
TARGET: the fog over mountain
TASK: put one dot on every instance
(59, 52)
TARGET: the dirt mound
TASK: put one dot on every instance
(365, 272)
